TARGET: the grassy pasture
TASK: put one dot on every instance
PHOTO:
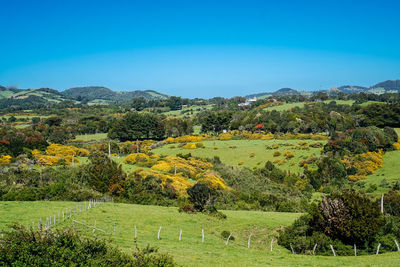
(91, 137)
(389, 171)
(190, 251)
(233, 151)
(195, 108)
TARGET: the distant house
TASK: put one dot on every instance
(248, 102)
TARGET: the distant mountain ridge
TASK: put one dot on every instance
(10, 96)
(389, 86)
(91, 93)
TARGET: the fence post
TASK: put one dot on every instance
(334, 254)
(159, 232)
(180, 235)
(397, 245)
(291, 247)
(248, 241)
(55, 220)
(272, 241)
(382, 203)
(313, 251)
(377, 250)
(227, 240)
(202, 235)
(355, 250)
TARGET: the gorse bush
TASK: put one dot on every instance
(20, 247)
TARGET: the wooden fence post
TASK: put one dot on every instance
(248, 241)
(382, 203)
(272, 241)
(377, 250)
(334, 254)
(313, 251)
(180, 235)
(159, 232)
(227, 240)
(291, 247)
(397, 245)
(355, 250)
(202, 235)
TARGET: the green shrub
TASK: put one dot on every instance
(21, 247)
(225, 234)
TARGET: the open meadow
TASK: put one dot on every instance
(190, 251)
(233, 152)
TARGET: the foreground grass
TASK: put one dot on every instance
(190, 251)
(231, 152)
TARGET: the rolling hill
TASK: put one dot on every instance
(390, 86)
(32, 98)
(93, 93)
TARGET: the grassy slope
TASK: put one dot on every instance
(232, 156)
(190, 251)
(389, 171)
(178, 113)
(91, 137)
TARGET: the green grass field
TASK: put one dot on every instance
(231, 156)
(187, 111)
(91, 137)
(389, 171)
(190, 251)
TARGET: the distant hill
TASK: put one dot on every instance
(279, 93)
(390, 86)
(96, 93)
(286, 92)
(32, 98)
(348, 89)
(259, 95)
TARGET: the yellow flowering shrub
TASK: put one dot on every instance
(134, 158)
(240, 163)
(365, 164)
(44, 159)
(268, 136)
(190, 146)
(225, 136)
(288, 155)
(213, 180)
(5, 159)
(188, 167)
(188, 139)
(397, 144)
(277, 154)
(56, 154)
(178, 182)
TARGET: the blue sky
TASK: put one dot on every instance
(199, 48)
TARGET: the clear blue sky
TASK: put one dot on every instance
(199, 48)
